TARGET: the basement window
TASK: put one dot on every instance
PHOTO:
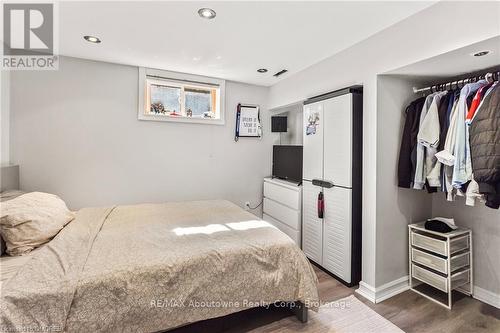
(176, 97)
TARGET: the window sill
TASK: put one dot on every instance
(203, 121)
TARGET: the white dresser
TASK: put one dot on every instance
(282, 207)
(440, 260)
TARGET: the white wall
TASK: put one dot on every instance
(440, 28)
(4, 117)
(74, 132)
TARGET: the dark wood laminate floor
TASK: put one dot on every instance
(408, 311)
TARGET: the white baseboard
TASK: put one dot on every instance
(390, 289)
(366, 291)
(487, 297)
(385, 291)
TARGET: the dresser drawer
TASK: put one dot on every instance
(440, 264)
(439, 282)
(460, 278)
(432, 279)
(282, 194)
(458, 244)
(428, 243)
(293, 234)
(429, 260)
(282, 213)
(459, 261)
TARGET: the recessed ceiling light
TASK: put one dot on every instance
(262, 70)
(481, 53)
(92, 39)
(207, 13)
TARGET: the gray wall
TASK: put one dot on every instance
(74, 132)
(485, 225)
(4, 116)
(396, 207)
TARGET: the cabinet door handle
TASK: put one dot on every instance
(323, 183)
(321, 205)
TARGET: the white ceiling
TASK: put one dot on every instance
(243, 37)
(455, 63)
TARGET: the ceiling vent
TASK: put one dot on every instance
(281, 72)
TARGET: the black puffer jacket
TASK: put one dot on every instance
(484, 138)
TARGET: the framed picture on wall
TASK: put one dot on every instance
(247, 121)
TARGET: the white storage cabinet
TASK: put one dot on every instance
(332, 171)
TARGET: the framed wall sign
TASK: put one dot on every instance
(247, 122)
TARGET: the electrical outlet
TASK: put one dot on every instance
(247, 205)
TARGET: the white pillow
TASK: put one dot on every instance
(31, 220)
(5, 196)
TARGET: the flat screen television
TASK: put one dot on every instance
(287, 162)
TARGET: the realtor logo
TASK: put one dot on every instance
(29, 36)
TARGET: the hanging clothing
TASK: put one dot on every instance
(446, 156)
(444, 121)
(420, 170)
(407, 151)
(476, 101)
(490, 89)
(485, 147)
(472, 194)
(462, 169)
(428, 136)
(451, 140)
(444, 111)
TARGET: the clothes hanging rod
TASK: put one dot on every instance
(448, 85)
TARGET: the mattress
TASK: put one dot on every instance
(153, 267)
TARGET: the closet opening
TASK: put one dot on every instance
(399, 204)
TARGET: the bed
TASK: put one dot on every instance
(153, 267)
